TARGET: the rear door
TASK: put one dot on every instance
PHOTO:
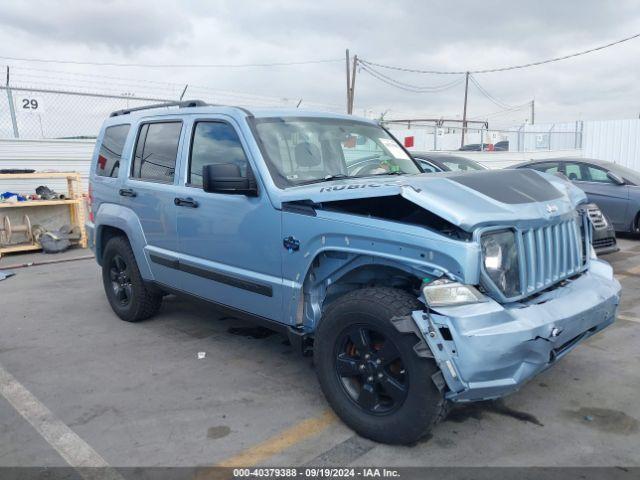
(230, 245)
(150, 189)
(612, 199)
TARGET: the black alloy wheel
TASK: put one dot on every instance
(120, 280)
(370, 368)
(371, 373)
(129, 296)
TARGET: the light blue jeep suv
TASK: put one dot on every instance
(411, 290)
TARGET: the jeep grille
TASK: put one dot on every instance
(553, 253)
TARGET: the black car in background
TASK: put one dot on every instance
(445, 162)
(474, 147)
(501, 146)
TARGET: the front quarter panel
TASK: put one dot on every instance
(412, 248)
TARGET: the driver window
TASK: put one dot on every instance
(214, 142)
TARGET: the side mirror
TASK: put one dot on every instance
(615, 178)
(226, 178)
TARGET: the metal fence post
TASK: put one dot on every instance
(520, 146)
(435, 138)
(12, 110)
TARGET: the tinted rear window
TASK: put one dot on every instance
(111, 150)
(156, 152)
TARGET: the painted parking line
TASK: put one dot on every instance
(278, 443)
(75, 451)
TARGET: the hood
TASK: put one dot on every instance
(468, 200)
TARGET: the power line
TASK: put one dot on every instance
(490, 97)
(407, 86)
(503, 69)
(177, 65)
(502, 112)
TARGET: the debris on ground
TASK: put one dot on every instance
(59, 241)
(6, 274)
(201, 355)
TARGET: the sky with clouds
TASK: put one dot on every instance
(454, 35)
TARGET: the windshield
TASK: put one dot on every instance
(307, 150)
(626, 173)
(461, 164)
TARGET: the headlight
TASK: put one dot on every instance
(500, 258)
(446, 294)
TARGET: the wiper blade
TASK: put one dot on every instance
(328, 178)
(397, 172)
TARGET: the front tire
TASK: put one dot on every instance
(126, 291)
(369, 371)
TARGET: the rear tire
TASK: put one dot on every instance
(635, 226)
(126, 291)
(381, 388)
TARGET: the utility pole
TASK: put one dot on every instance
(464, 110)
(348, 80)
(353, 84)
(533, 111)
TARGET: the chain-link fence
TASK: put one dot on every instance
(28, 112)
(52, 114)
(526, 138)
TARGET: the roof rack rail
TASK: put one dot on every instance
(181, 104)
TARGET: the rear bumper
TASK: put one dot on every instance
(90, 227)
(489, 350)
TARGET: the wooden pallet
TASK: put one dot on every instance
(73, 199)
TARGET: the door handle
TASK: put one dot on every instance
(127, 192)
(185, 202)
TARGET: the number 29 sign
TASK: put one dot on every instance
(30, 105)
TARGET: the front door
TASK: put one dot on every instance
(229, 245)
(612, 198)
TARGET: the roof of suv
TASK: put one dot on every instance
(197, 107)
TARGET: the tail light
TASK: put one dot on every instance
(90, 204)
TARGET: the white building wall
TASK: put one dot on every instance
(615, 141)
(42, 156)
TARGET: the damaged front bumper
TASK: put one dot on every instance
(488, 350)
